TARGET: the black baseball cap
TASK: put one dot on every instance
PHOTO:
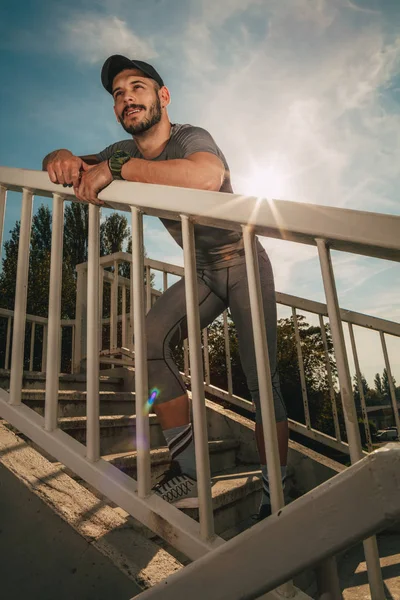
(117, 63)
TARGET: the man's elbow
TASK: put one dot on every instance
(213, 181)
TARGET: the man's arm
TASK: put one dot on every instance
(65, 168)
(202, 171)
(89, 159)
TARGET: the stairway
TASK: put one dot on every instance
(236, 483)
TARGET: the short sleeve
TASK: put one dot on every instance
(196, 139)
(122, 145)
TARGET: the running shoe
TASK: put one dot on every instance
(177, 488)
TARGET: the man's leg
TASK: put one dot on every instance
(167, 328)
(239, 303)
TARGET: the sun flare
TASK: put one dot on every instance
(267, 181)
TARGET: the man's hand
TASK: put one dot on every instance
(63, 167)
(93, 180)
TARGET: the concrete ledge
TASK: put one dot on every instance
(115, 536)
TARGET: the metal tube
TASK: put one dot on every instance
(114, 309)
(101, 296)
(54, 321)
(73, 348)
(92, 396)
(148, 288)
(186, 365)
(328, 583)
(206, 357)
(80, 316)
(227, 353)
(131, 333)
(32, 345)
(301, 369)
(8, 343)
(3, 202)
(44, 348)
(141, 376)
(263, 369)
(391, 385)
(197, 382)
(360, 389)
(330, 379)
(165, 281)
(123, 341)
(21, 294)
(350, 415)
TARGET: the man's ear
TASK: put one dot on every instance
(165, 96)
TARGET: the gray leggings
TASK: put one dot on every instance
(218, 289)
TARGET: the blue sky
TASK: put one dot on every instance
(302, 96)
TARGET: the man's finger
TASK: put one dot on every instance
(75, 177)
(51, 173)
(59, 173)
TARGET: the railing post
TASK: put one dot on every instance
(114, 309)
(21, 295)
(148, 288)
(227, 353)
(264, 379)
(123, 324)
(101, 296)
(80, 317)
(165, 281)
(140, 345)
(328, 583)
(360, 389)
(197, 382)
(350, 414)
(391, 385)
(54, 320)
(330, 379)
(206, 357)
(301, 369)
(32, 345)
(92, 376)
(3, 201)
(44, 349)
(8, 343)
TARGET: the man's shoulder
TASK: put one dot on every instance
(180, 130)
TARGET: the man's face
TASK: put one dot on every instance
(136, 101)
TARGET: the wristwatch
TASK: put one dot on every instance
(116, 162)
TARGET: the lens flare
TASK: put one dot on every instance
(152, 398)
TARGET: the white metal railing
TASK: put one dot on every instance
(351, 231)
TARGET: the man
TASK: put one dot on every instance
(179, 155)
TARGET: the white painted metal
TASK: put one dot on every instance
(21, 292)
(73, 348)
(101, 297)
(197, 380)
(350, 414)
(365, 497)
(360, 389)
(165, 281)
(8, 343)
(263, 370)
(227, 353)
(361, 232)
(123, 308)
(330, 378)
(206, 357)
(186, 365)
(3, 202)
(32, 345)
(141, 377)
(148, 288)
(93, 375)
(44, 349)
(80, 316)
(301, 369)
(114, 308)
(54, 321)
(391, 385)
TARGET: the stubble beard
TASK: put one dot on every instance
(147, 123)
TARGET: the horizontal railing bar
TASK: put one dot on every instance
(370, 234)
(366, 497)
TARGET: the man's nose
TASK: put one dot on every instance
(129, 97)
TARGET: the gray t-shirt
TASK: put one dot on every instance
(215, 248)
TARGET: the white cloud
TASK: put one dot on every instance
(93, 37)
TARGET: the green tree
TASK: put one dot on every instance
(365, 388)
(386, 385)
(378, 384)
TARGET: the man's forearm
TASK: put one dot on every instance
(176, 172)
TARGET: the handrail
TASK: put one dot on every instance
(366, 499)
(371, 234)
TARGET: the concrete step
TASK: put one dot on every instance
(236, 496)
(72, 403)
(117, 432)
(67, 381)
(222, 457)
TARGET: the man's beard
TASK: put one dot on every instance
(147, 123)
